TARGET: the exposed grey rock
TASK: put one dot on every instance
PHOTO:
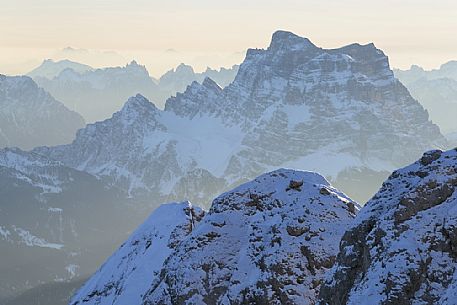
(402, 246)
(261, 243)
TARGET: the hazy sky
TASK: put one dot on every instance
(161, 34)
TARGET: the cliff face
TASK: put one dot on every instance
(402, 247)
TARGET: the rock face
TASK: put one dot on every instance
(30, 117)
(268, 241)
(402, 247)
(339, 112)
(128, 274)
(52, 219)
(436, 90)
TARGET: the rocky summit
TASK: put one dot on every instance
(270, 240)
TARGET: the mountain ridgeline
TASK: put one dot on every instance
(97, 93)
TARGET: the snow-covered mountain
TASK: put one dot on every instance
(50, 221)
(30, 117)
(268, 241)
(402, 248)
(436, 90)
(128, 274)
(50, 68)
(340, 112)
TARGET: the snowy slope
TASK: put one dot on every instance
(339, 112)
(30, 117)
(402, 246)
(129, 272)
(268, 241)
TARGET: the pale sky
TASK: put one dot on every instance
(161, 34)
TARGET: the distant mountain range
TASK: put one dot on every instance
(436, 90)
(340, 112)
(30, 117)
(97, 93)
(50, 68)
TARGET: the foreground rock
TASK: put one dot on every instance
(268, 241)
(402, 248)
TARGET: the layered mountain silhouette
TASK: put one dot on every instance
(97, 93)
(436, 90)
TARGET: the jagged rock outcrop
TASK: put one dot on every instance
(130, 271)
(30, 117)
(269, 241)
(402, 248)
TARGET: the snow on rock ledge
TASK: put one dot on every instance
(267, 241)
(402, 248)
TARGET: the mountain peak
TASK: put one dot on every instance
(133, 63)
(288, 40)
(211, 84)
(138, 103)
(183, 68)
